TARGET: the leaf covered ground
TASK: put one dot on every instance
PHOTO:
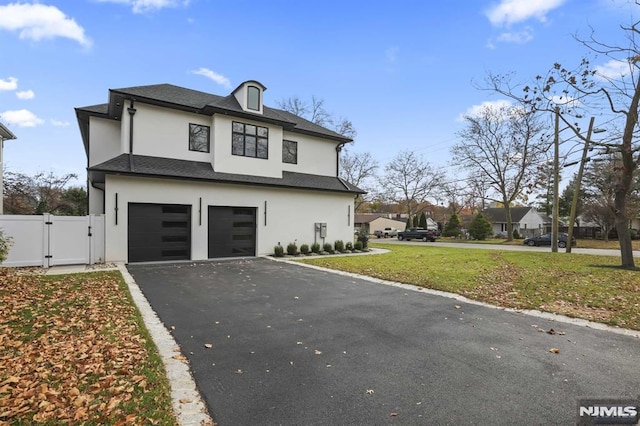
(74, 350)
(576, 285)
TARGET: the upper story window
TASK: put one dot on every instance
(253, 98)
(249, 140)
(289, 152)
(198, 137)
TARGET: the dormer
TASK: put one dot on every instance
(249, 95)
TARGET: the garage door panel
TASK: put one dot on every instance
(232, 231)
(159, 232)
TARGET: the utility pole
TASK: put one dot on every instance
(576, 189)
(556, 183)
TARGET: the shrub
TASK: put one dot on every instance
(357, 245)
(363, 238)
(278, 251)
(327, 247)
(349, 246)
(304, 249)
(516, 234)
(339, 246)
(635, 235)
(292, 249)
(5, 243)
(315, 248)
(480, 228)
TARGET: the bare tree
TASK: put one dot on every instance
(587, 87)
(360, 170)
(42, 193)
(503, 146)
(316, 113)
(410, 180)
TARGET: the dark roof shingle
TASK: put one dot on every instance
(142, 165)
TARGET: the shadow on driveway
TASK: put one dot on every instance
(298, 346)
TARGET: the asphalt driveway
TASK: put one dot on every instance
(299, 346)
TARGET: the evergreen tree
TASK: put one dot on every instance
(480, 228)
(452, 228)
(416, 221)
(423, 221)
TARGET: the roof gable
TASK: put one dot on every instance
(498, 214)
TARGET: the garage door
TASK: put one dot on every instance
(159, 232)
(232, 231)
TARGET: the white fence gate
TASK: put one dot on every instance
(49, 240)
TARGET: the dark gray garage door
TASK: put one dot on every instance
(232, 231)
(159, 232)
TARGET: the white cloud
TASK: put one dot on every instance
(25, 94)
(214, 76)
(476, 110)
(10, 83)
(145, 6)
(21, 118)
(613, 70)
(39, 21)
(519, 37)
(509, 12)
(59, 123)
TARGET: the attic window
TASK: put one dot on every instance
(253, 98)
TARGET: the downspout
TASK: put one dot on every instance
(338, 149)
(132, 111)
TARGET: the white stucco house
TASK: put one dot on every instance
(5, 135)
(185, 175)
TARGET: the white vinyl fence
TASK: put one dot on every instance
(49, 240)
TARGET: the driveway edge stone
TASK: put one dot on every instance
(530, 312)
(188, 405)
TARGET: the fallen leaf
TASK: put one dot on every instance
(208, 345)
(394, 414)
(554, 350)
(317, 352)
(457, 306)
(551, 331)
(185, 401)
(369, 392)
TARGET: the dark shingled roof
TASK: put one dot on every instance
(206, 103)
(498, 215)
(181, 98)
(198, 170)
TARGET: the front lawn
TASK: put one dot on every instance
(576, 285)
(74, 350)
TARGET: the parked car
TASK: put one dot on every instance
(417, 234)
(386, 233)
(545, 240)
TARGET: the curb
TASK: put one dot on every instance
(188, 405)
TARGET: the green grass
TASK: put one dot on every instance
(583, 286)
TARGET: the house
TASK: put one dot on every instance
(372, 222)
(526, 220)
(185, 175)
(5, 135)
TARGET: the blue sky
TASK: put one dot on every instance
(401, 71)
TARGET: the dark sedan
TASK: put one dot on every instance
(545, 240)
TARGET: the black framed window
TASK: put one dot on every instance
(249, 140)
(289, 152)
(198, 137)
(253, 98)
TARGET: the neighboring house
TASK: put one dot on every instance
(526, 220)
(187, 175)
(5, 135)
(372, 222)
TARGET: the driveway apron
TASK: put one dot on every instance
(294, 345)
